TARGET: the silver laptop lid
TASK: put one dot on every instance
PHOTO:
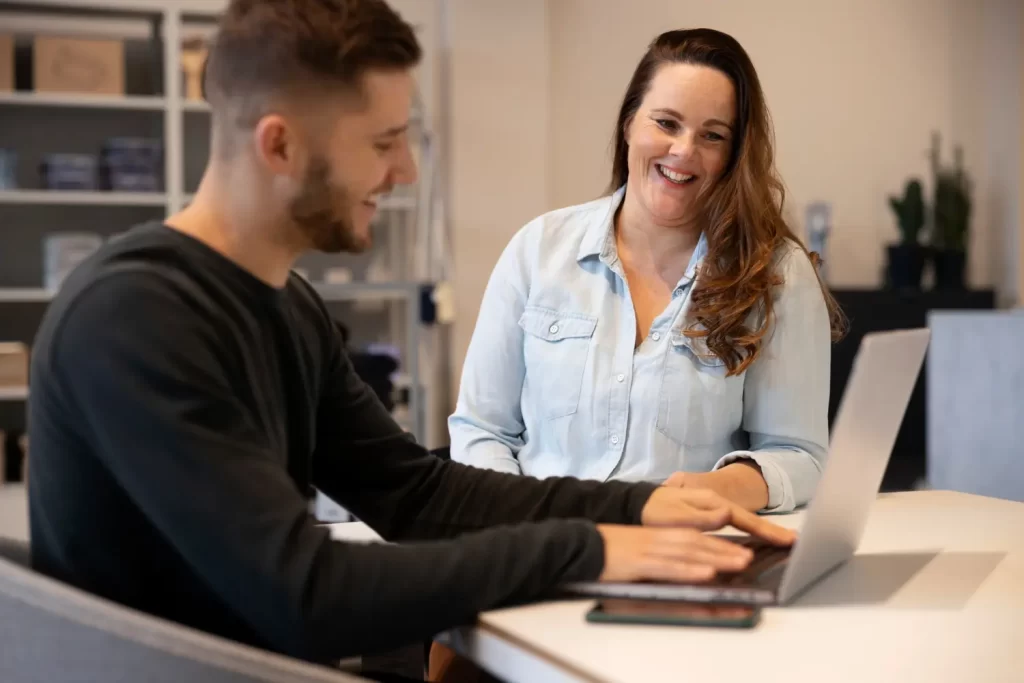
(863, 434)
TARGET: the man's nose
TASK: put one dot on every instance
(405, 171)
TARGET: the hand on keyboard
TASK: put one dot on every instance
(679, 555)
(706, 510)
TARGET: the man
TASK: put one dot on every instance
(188, 391)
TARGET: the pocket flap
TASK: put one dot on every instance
(556, 325)
(697, 348)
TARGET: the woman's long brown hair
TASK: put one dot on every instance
(742, 214)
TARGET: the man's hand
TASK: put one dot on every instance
(706, 510)
(741, 482)
(680, 555)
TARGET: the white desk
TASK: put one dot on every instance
(936, 593)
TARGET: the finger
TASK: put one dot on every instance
(722, 546)
(702, 549)
(677, 480)
(676, 571)
(707, 520)
(692, 537)
(761, 527)
(694, 555)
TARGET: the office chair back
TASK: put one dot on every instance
(50, 631)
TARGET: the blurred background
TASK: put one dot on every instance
(882, 110)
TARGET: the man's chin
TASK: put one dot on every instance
(359, 241)
(360, 246)
(343, 240)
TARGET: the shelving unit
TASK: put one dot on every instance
(29, 213)
(74, 198)
(347, 292)
(13, 393)
(25, 295)
(42, 99)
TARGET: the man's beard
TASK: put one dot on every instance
(323, 212)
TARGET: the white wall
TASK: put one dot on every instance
(855, 88)
(1001, 108)
(1020, 193)
(499, 66)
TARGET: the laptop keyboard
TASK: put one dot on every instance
(766, 558)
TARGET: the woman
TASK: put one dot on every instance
(673, 331)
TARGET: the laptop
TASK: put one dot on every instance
(882, 379)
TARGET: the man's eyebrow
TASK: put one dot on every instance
(394, 131)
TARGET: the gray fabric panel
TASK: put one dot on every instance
(50, 632)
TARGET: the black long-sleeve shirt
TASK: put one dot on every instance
(180, 412)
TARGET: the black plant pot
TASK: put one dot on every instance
(906, 265)
(950, 267)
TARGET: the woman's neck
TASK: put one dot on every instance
(650, 247)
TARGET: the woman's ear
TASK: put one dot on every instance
(627, 126)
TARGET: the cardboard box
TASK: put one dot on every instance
(78, 65)
(6, 63)
(13, 365)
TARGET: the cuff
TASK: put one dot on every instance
(639, 495)
(780, 495)
(495, 458)
(494, 464)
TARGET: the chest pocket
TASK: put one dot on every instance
(698, 405)
(556, 347)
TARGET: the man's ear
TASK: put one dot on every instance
(278, 146)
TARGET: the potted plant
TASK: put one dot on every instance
(907, 259)
(952, 214)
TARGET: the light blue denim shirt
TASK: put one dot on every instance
(553, 384)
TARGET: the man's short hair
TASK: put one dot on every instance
(269, 48)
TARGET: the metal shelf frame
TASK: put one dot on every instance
(170, 21)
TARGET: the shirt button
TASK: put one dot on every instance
(656, 336)
(553, 329)
(621, 377)
(615, 440)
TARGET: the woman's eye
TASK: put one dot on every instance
(714, 137)
(384, 147)
(668, 124)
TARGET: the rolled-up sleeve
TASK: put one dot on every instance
(487, 426)
(786, 391)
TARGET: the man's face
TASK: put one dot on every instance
(364, 154)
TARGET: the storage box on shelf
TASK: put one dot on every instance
(13, 369)
(6, 62)
(178, 31)
(78, 65)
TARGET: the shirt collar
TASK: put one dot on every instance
(599, 238)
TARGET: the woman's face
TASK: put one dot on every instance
(680, 140)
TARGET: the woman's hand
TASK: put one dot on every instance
(706, 510)
(740, 482)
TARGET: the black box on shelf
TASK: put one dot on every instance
(70, 172)
(8, 169)
(132, 164)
